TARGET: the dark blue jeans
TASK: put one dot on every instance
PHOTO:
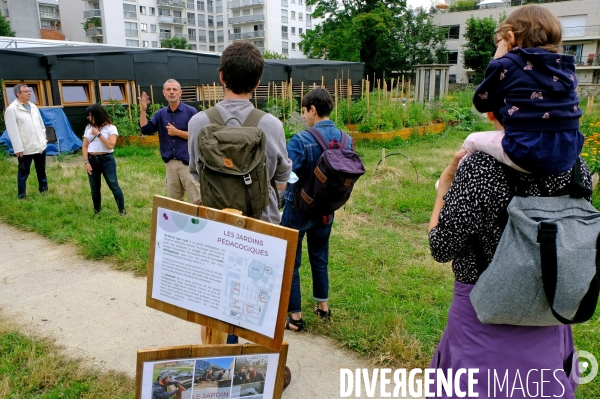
(317, 233)
(39, 160)
(104, 165)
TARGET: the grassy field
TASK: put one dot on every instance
(389, 298)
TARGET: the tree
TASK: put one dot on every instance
(176, 42)
(5, 28)
(273, 55)
(383, 34)
(480, 48)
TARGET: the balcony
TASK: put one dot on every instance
(591, 60)
(190, 38)
(247, 35)
(171, 3)
(50, 15)
(164, 35)
(131, 32)
(93, 32)
(244, 3)
(129, 15)
(171, 20)
(247, 18)
(190, 5)
(92, 13)
(579, 32)
(191, 22)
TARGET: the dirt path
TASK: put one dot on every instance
(100, 314)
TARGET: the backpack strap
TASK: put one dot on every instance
(343, 143)
(214, 116)
(253, 118)
(547, 240)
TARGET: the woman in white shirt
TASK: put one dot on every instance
(99, 142)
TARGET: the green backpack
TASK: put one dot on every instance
(233, 164)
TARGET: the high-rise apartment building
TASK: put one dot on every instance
(208, 25)
(581, 31)
(33, 19)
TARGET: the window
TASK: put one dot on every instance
(299, 31)
(284, 48)
(202, 47)
(293, 14)
(200, 5)
(192, 34)
(220, 48)
(293, 46)
(145, 43)
(76, 93)
(96, 6)
(201, 20)
(202, 35)
(129, 10)
(219, 21)
(154, 44)
(211, 37)
(194, 47)
(300, 2)
(284, 3)
(293, 30)
(308, 8)
(152, 10)
(142, 9)
(114, 90)
(452, 32)
(132, 43)
(209, 6)
(453, 57)
(131, 29)
(144, 27)
(284, 32)
(219, 6)
(259, 27)
(284, 16)
(35, 86)
(191, 18)
(211, 21)
(163, 11)
(300, 16)
(220, 37)
(211, 48)
(574, 49)
(152, 28)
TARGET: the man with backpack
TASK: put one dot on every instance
(240, 71)
(305, 150)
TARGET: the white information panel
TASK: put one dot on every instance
(218, 270)
(252, 376)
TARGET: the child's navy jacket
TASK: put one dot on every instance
(532, 94)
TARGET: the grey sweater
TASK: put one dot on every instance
(279, 165)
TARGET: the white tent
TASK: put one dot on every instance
(491, 3)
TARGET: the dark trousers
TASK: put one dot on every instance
(39, 160)
(104, 165)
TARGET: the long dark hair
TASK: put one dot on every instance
(99, 114)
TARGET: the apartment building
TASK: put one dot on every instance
(581, 32)
(208, 25)
(33, 19)
(50, 27)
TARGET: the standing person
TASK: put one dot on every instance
(99, 141)
(464, 231)
(171, 122)
(27, 135)
(531, 89)
(304, 151)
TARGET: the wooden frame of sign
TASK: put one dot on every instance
(284, 233)
(204, 351)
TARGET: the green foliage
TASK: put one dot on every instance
(590, 127)
(120, 113)
(479, 49)
(383, 34)
(176, 42)
(273, 55)
(5, 28)
(463, 5)
(96, 21)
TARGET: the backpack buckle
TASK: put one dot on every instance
(546, 231)
(247, 180)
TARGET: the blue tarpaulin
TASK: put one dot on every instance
(56, 118)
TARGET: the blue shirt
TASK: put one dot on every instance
(304, 151)
(171, 147)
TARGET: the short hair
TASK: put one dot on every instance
(321, 99)
(171, 81)
(533, 26)
(17, 88)
(99, 114)
(163, 375)
(242, 66)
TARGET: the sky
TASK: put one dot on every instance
(417, 3)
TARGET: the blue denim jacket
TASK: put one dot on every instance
(304, 152)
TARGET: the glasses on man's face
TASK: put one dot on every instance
(25, 91)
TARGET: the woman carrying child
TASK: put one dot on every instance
(470, 211)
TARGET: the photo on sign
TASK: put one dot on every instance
(249, 376)
(176, 375)
(212, 378)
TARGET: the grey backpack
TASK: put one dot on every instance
(233, 164)
(546, 267)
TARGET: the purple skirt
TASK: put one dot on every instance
(510, 358)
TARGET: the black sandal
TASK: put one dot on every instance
(323, 315)
(299, 324)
